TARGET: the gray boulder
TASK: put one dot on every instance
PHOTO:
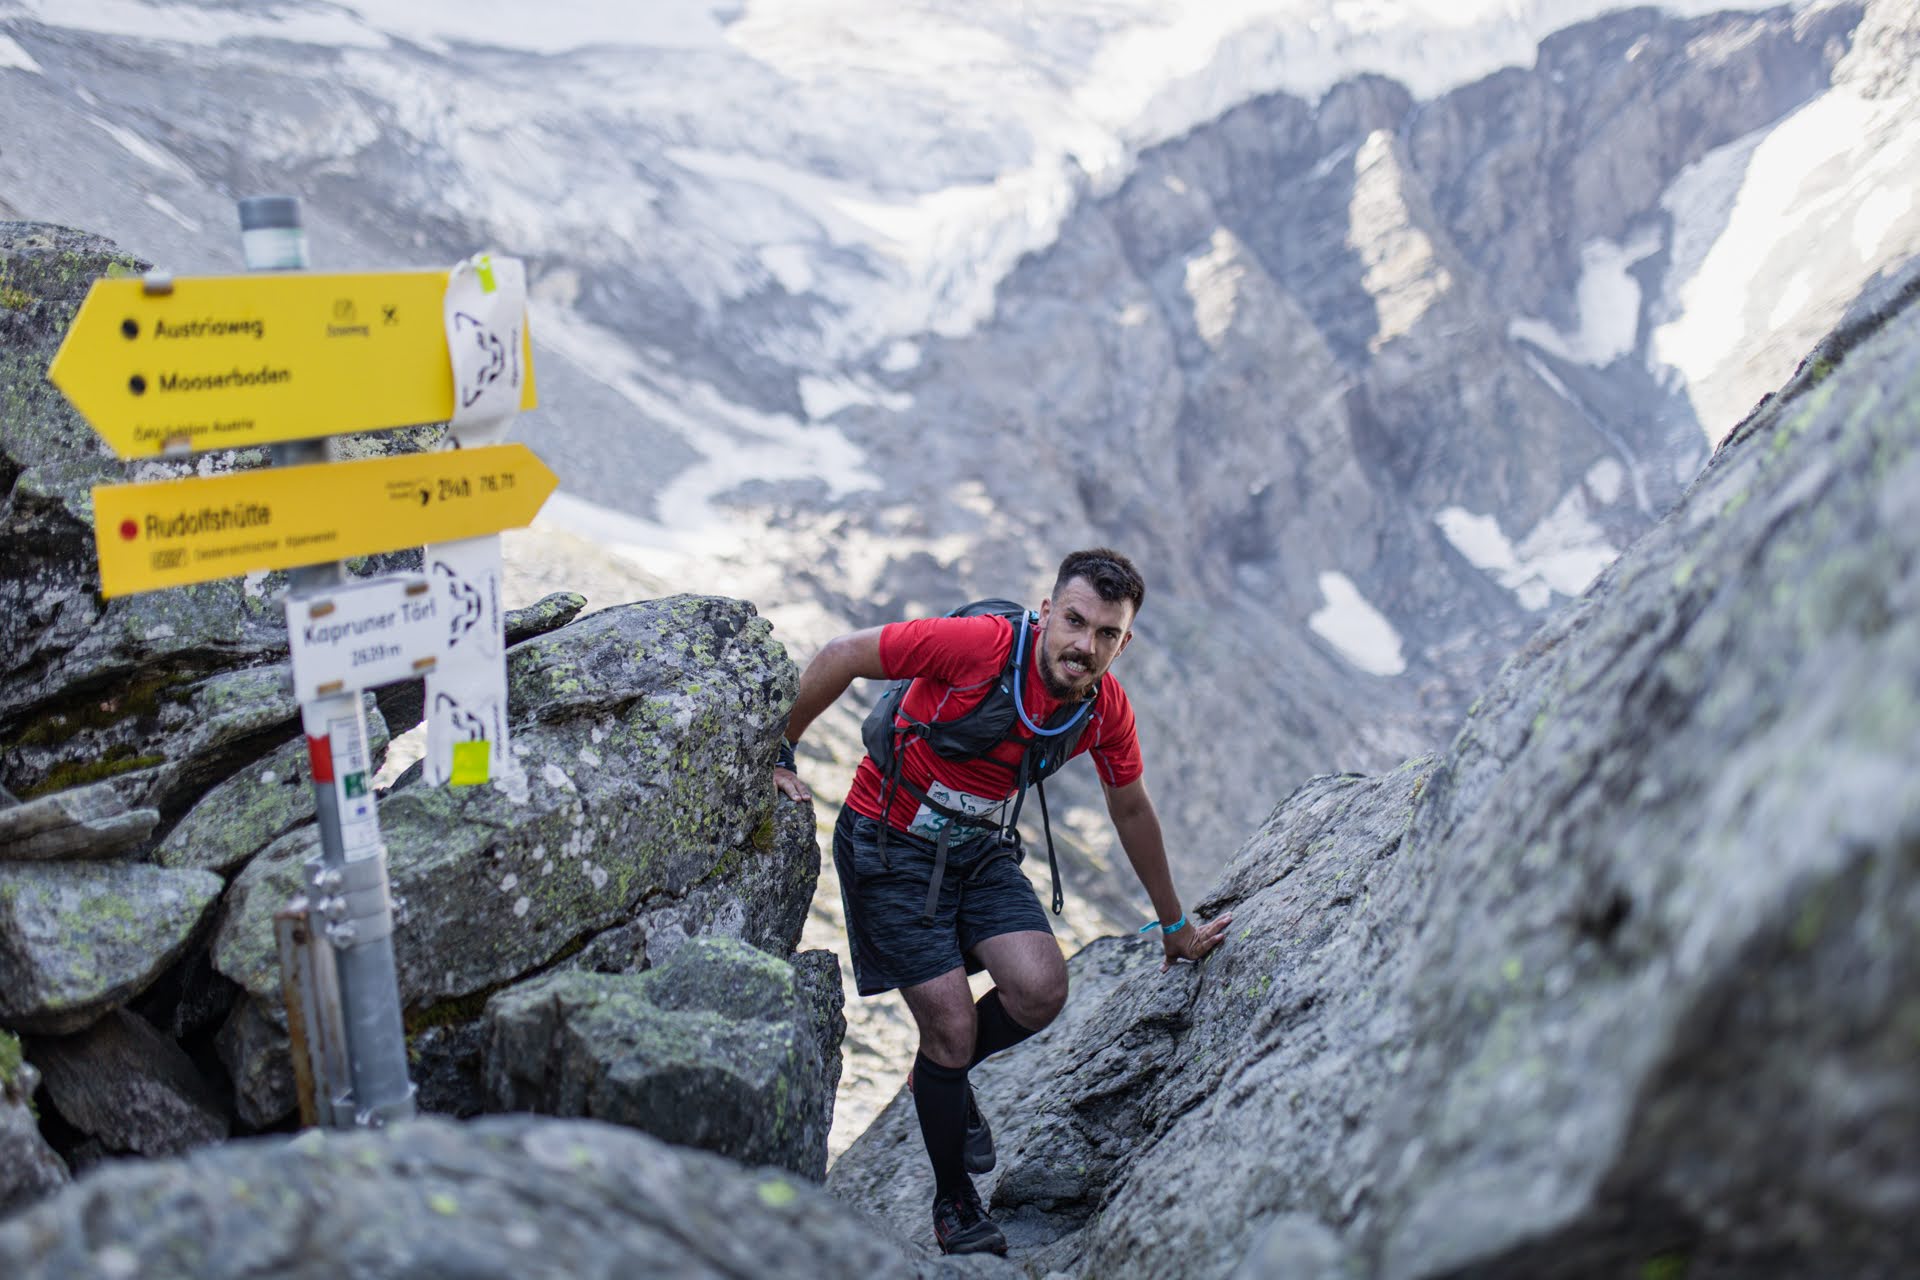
(505, 1196)
(760, 900)
(825, 993)
(29, 1168)
(166, 751)
(129, 1086)
(258, 1056)
(1622, 983)
(644, 734)
(76, 939)
(718, 1048)
(549, 613)
(85, 823)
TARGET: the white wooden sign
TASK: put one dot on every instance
(365, 634)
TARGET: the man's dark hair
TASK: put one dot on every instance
(1107, 572)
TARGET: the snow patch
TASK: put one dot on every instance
(1879, 212)
(1605, 479)
(790, 264)
(1565, 552)
(140, 149)
(1768, 246)
(12, 55)
(546, 28)
(117, 1262)
(824, 397)
(162, 206)
(1213, 285)
(737, 444)
(1792, 299)
(200, 25)
(901, 357)
(1360, 632)
(1607, 306)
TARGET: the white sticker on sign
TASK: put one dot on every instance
(467, 690)
(365, 634)
(337, 752)
(486, 314)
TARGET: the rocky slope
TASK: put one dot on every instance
(1621, 982)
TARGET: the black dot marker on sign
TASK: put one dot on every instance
(130, 327)
(137, 385)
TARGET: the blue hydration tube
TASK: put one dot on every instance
(1019, 698)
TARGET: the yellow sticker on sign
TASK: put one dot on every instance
(470, 763)
(222, 362)
(199, 529)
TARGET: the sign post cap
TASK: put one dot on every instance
(269, 213)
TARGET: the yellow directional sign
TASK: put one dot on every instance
(221, 362)
(198, 529)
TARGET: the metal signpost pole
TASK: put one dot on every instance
(347, 884)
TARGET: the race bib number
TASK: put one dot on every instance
(927, 823)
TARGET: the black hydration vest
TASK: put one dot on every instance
(972, 735)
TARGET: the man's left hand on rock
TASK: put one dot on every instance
(788, 783)
(1195, 943)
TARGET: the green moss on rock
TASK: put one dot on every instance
(80, 773)
(10, 1059)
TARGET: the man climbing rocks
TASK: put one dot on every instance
(928, 865)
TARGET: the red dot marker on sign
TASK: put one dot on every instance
(129, 530)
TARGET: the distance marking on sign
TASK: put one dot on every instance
(223, 362)
(198, 529)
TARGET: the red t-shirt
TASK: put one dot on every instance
(956, 662)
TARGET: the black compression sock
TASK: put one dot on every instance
(940, 1098)
(994, 1028)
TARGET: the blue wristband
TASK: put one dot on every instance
(1175, 927)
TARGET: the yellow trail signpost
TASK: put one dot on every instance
(161, 366)
(223, 362)
(175, 532)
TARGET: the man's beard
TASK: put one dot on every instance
(1056, 684)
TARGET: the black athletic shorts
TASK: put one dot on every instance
(983, 894)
